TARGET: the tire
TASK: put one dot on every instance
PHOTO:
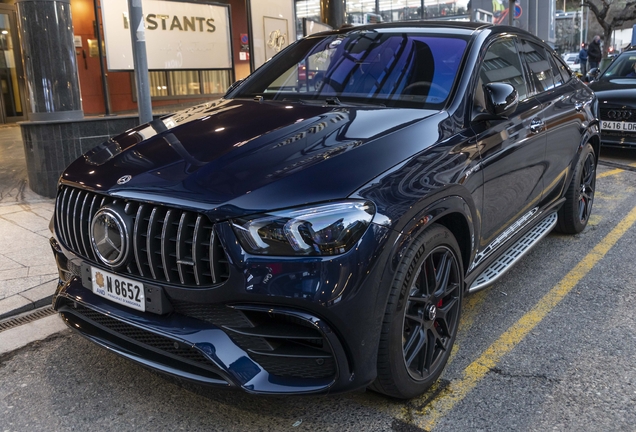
(575, 212)
(422, 315)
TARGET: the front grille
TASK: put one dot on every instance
(615, 114)
(298, 367)
(169, 245)
(283, 345)
(618, 135)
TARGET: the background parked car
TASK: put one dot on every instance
(573, 61)
(616, 92)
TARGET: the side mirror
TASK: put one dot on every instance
(501, 101)
(592, 75)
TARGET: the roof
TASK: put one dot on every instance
(455, 25)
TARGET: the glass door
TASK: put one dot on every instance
(11, 100)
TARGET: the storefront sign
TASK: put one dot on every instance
(179, 35)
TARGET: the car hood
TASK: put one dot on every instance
(234, 157)
(616, 91)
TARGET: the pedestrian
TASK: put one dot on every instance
(583, 59)
(594, 52)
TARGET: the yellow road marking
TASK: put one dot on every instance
(470, 309)
(456, 391)
(613, 172)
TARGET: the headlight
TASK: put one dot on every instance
(326, 229)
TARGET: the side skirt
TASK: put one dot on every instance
(514, 253)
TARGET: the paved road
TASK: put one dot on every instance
(551, 346)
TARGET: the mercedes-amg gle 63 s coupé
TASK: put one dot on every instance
(300, 237)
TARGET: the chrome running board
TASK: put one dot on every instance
(502, 264)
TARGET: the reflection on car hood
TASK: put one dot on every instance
(621, 91)
(237, 156)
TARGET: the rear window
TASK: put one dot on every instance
(386, 68)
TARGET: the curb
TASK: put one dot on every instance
(31, 299)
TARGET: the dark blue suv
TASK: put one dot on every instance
(311, 236)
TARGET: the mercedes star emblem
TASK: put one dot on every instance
(109, 237)
(124, 179)
(432, 312)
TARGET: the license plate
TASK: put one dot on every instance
(119, 289)
(618, 126)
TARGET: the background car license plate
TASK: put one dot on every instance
(118, 289)
(620, 126)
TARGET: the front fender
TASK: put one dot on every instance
(456, 212)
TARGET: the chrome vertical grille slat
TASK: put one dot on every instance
(169, 245)
(75, 222)
(69, 218)
(137, 239)
(59, 213)
(165, 244)
(149, 242)
(212, 254)
(84, 226)
(65, 201)
(182, 254)
(198, 274)
(91, 214)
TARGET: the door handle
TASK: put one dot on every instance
(579, 106)
(536, 125)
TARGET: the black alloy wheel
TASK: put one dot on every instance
(430, 316)
(586, 188)
(422, 315)
(579, 197)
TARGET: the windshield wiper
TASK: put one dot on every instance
(337, 102)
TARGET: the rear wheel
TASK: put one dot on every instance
(579, 197)
(422, 316)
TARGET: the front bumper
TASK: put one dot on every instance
(618, 139)
(273, 327)
(196, 350)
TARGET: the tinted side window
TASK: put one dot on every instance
(556, 73)
(538, 65)
(563, 69)
(502, 64)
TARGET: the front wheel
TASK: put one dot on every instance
(579, 197)
(422, 316)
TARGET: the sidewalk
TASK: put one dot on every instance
(28, 275)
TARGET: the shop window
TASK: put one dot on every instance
(309, 9)
(171, 84)
(359, 12)
(215, 81)
(402, 10)
(158, 84)
(184, 83)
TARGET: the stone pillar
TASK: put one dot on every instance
(50, 64)
(332, 12)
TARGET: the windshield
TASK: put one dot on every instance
(392, 69)
(624, 66)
